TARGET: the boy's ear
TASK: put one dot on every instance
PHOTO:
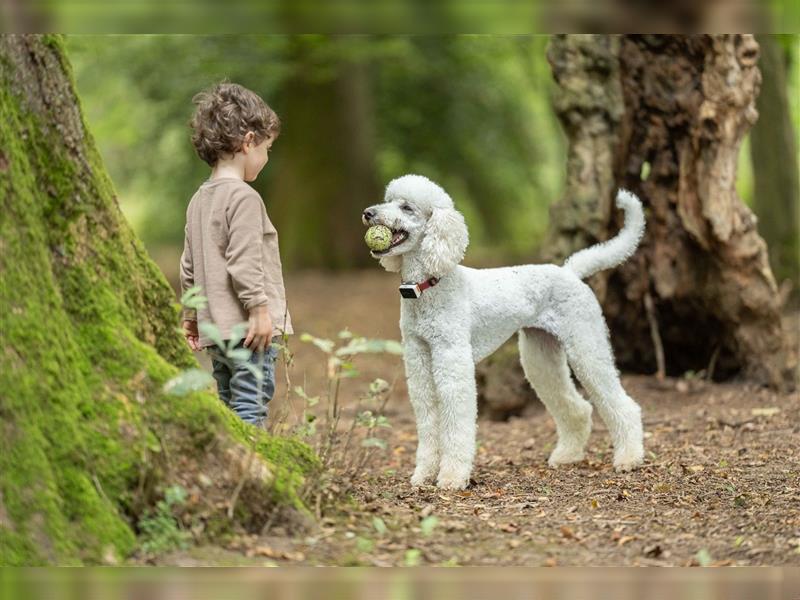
(249, 138)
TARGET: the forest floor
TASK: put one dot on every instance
(720, 484)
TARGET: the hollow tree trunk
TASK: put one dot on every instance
(664, 116)
(672, 136)
(88, 440)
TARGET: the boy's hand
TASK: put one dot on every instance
(191, 334)
(259, 335)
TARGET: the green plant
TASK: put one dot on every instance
(341, 366)
(344, 449)
(160, 530)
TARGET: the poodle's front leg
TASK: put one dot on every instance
(454, 376)
(417, 357)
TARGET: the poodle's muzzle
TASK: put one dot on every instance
(370, 218)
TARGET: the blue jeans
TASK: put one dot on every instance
(239, 388)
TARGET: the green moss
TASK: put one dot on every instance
(87, 341)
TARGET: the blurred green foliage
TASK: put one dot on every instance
(790, 44)
(471, 112)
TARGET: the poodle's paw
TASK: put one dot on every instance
(627, 459)
(422, 476)
(566, 455)
(452, 480)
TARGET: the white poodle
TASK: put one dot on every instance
(453, 316)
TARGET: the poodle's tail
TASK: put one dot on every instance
(616, 250)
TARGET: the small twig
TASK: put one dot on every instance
(163, 449)
(736, 424)
(343, 455)
(142, 471)
(240, 485)
(318, 506)
(100, 488)
(654, 333)
(270, 522)
(334, 419)
(288, 361)
(712, 363)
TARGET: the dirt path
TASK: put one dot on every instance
(718, 478)
(721, 482)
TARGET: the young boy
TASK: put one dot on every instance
(231, 247)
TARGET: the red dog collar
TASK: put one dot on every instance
(414, 290)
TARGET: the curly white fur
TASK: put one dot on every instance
(616, 250)
(471, 312)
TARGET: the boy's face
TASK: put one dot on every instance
(256, 156)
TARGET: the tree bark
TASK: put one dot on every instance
(773, 152)
(88, 439)
(673, 137)
(664, 116)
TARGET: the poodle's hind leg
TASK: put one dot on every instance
(590, 356)
(545, 366)
(421, 391)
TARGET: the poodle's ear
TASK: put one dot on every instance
(393, 264)
(445, 241)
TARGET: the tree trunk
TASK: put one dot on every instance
(664, 116)
(87, 333)
(325, 174)
(675, 139)
(707, 264)
(773, 152)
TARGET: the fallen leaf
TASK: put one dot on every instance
(412, 557)
(296, 556)
(262, 551)
(379, 525)
(703, 558)
(625, 539)
(765, 412)
(428, 524)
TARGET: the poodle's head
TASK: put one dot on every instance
(424, 224)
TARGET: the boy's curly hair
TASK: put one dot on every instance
(225, 113)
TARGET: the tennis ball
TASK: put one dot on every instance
(378, 237)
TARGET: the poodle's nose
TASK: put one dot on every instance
(368, 214)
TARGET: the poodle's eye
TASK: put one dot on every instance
(407, 208)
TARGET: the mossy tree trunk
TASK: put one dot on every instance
(88, 440)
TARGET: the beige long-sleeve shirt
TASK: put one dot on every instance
(231, 252)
